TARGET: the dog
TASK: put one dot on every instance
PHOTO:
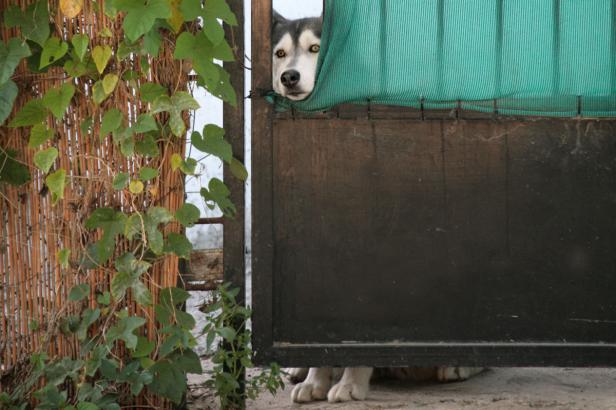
(296, 45)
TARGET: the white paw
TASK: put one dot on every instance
(296, 374)
(347, 392)
(454, 374)
(307, 392)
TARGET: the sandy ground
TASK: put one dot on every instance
(502, 388)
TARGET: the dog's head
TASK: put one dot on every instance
(296, 45)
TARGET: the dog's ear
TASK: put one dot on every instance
(277, 18)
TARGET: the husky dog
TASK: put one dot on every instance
(296, 45)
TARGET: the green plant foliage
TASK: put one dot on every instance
(140, 16)
(56, 183)
(12, 171)
(8, 93)
(117, 356)
(57, 100)
(39, 134)
(32, 113)
(228, 324)
(44, 159)
(187, 214)
(53, 50)
(33, 22)
(10, 56)
(175, 106)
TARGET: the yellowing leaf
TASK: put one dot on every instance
(176, 19)
(109, 83)
(71, 8)
(101, 56)
(176, 161)
(135, 187)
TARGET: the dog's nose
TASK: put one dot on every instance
(290, 78)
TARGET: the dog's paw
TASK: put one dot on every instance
(306, 392)
(296, 374)
(354, 385)
(456, 374)
(347, 392)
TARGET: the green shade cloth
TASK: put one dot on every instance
(524, 57)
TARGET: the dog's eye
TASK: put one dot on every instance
(281, 54)
(315, 48)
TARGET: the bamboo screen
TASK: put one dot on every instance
(33, 286)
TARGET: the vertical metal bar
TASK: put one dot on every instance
(233, 229)
(262, 184)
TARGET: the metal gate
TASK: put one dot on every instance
(393, 236)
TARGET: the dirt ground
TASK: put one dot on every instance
(500, 388)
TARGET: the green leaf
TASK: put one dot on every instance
(145, 123)
(57, 100)
(213, 142)
(151, 91)
(56, 183)
(8, 93)
(12, 171)
(80, 45)
(152, 40)
(187, 360)
(178, 244)
(75, 69)
(101, 56)
(34, 22)
(79, 292)
(129, 272)
(124, 330)
(187, 214)
(169, 381)
(120, 181)
(214, 9)
(112, 222)
(63, 256)
(172, 297)
(39, 134)
(218, 193)
(147, 147)
(104, 298)
(159, 215)
(111, 122)
(88, 317)
(86, 125)
(10, 56)
(33, 112)
(140, 16)
(144, 347)
(98, 92)
(135, 187)
(238, 170)
(188, 166)
(44, 159)
(141, 294)
(109, 83)
(146, 173)
(227, 333)
(175, 106)
(53, 50)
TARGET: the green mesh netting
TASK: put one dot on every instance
(524, 57)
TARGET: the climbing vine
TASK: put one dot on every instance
(119, 355)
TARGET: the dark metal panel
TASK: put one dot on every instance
(262, 189)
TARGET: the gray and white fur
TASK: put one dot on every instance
(296, 45)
